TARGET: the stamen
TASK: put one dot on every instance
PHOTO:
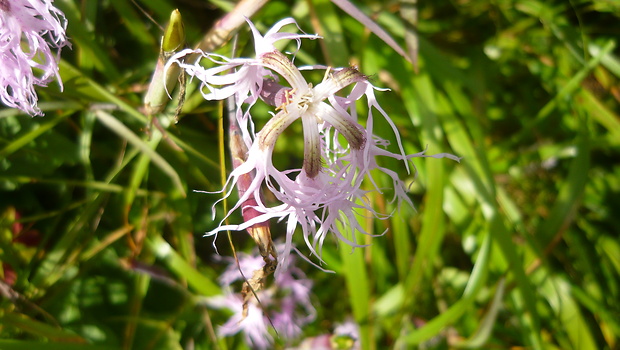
(288, 98)
(327, 74)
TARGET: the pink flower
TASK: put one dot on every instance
(29, 31)
(325, 195)
(345, 336)
(253, 327)
(246, 83)
(286, 302)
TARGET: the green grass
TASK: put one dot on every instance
(515, 246)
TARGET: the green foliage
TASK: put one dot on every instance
(101, 232)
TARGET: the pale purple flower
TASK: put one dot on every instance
(286, 301)
(246, 83)
(253, 327)
(325, 195)
(350, 331)
(295, 310)
(32, 32)
(345, 336)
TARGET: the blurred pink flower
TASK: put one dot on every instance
(286, 302)
(325, 195)
(253, 327)
(29, 32)
(345, 336)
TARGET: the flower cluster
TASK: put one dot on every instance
(29, 31)
(285, 305)
(325, 194)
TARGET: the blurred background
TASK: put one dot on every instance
(516, 246)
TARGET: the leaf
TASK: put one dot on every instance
(147, 148)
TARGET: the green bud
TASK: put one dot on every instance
(174, 36)
(156, 98)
